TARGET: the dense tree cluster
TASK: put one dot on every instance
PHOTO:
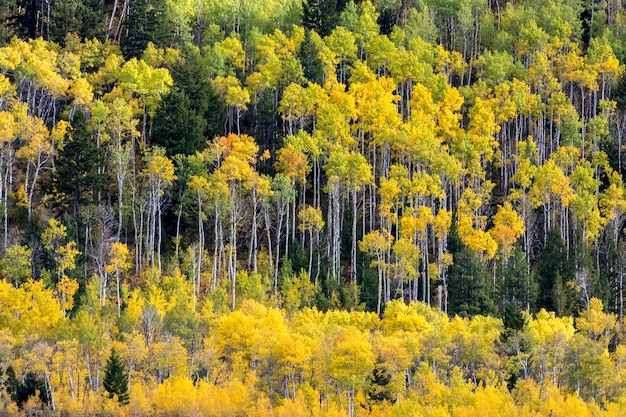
(173, 173)
(165, 359)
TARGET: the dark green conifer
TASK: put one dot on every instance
(146, 22)
(555, 270)
(470, 287)
(192, 113)
(320, 16)
(116, 379)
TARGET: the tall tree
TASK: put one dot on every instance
(320, 15)
(8, 10)
(146, 22)
(193, 112)
(80, 159)
(115, 380)
(82, 17)
(470, 289)
(554, 272)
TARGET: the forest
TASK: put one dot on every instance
(312, 208)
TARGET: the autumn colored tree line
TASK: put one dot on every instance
(383, 166)
(260, 360)
(164, 165)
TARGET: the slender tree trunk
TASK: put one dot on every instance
(119, 301)
(215, 249)
(196, 287)
(353, 251)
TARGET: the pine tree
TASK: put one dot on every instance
(554, 270)
(309, 58)
(320, 16)
(116, 379)
(470, 288)
(8, 12)
(81, 160)
(192, 113)
(146, 22)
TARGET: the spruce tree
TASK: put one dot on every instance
(192, 113)
(309, 58)
(470, 288)
(82, 161)
(320, 16)
(146, 22)
(116, 379)
(554, 270)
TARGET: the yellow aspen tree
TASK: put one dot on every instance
(233, 52)
(508, 226)
(312, 221)
(236, 98)
(352, 171)
(407, 256)
(53, 239)
(377, 244)
(551, 189)
(148, 83)
(549, 336)
(350, 363)
(294, 164)
(199, 186)
(340, 52)
(441, 226)
(471, 226)
(119, 262)
(66, 288)
(159, 173)
(114, 122)
(415, 225)
(596, 324)
(584, 204)
(237, 168)
(37, 154)
(612, 201)
(9, 129)
(29, 311)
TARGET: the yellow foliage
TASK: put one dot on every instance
(508, 227)
(176, 396)
(160, 168)
(119, 258)
(311, 219)
(66, 288)
(546, 327)
(477, 240)
(351, 360)
(596, 324)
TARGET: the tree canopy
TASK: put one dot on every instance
(326, 206)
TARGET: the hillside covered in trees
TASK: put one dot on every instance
(326, 207)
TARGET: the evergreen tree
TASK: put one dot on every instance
(470, 288)
(146, 22)
(192, 113)
(8, 12)
(23, 388)
(177, 126)
(515, 284)
(82, 161)
(309, 58)
(378, 389)
(513, 341)
(116, 378)
(26, 20)
(320, 16)
(83, 17)
(554, 272)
